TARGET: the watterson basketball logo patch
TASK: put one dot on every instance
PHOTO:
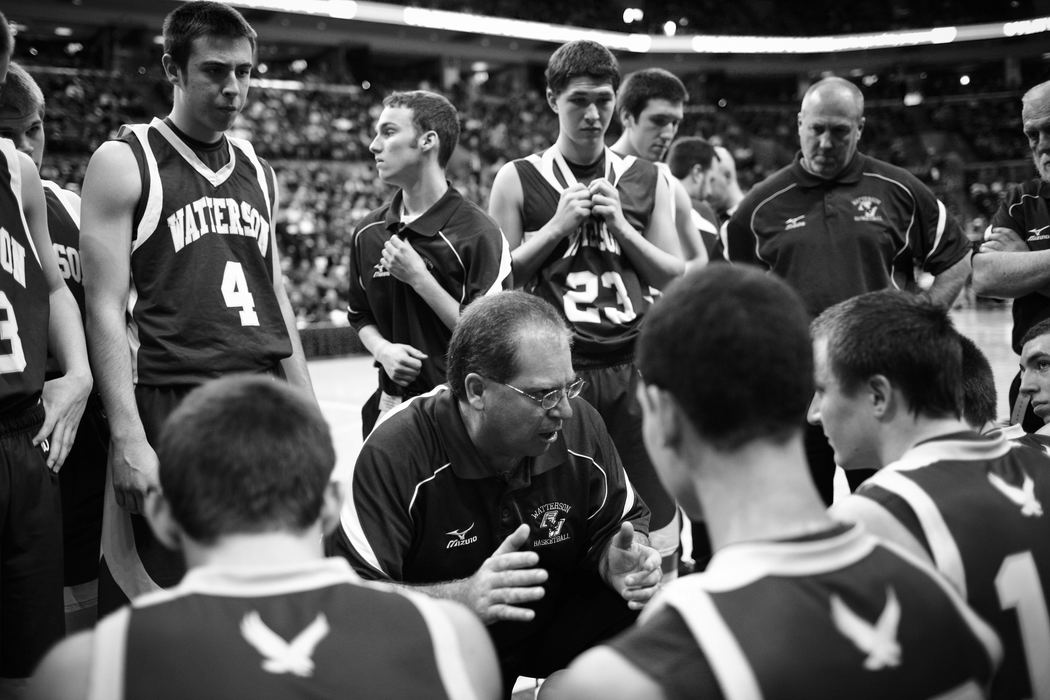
(551, 517)
(867, 208)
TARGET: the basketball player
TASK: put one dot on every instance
(421, 257)
(889, 380)
(186, 214)
(83, 477)
(650, 106)
(247, 494)
(692, 161)
(1034, 384)
(591, 233)
(793, 604)
(38, 419)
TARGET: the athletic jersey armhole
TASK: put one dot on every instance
(445, 642)
(108, 656)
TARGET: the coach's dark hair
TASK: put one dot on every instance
(903, 337)
(193, 20)
(1041, 328)
(731, 345)
(7, 38)
(21, 95)
(245, 454)
(648, 84)
(579, 58)
(689, 151)
(489, 332)
(978, 385)
(430, 112)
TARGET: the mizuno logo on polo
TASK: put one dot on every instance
(461, 537)
(795, 222)
(13, 257)
(1037, 231)
(279, 656)
(225, 216)
(878, 641)
(1023, 495)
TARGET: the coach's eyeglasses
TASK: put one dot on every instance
(548, 400)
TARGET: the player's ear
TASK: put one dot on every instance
(429, 140)
(860, 126)
(552, 100)
(662, 413)
(171, 68)
(474, 390)
(882, 395)
(332, 504)
(161, 521)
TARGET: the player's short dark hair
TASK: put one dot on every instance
(193, 20)
(648, 84)
(907, 339)
(731, 345)
(688, 151)
(430, 112)
(7, 38)
(580, 58)
(21, 95)
(489, 332)
(1041, 328)
(245, 454)
(978, 385)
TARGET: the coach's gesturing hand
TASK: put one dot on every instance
(506, 579)
(631, 567)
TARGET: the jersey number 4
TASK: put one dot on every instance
(236, 295)
(1019, 587)
(12, 357)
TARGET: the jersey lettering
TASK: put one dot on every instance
(235, 293)
(13, 257)
(223, 216)
(12, 357)
(588, 296)
(1018, 586)
(68, 261)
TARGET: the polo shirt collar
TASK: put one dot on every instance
(430, 222)
(850, 175)
(466, 462)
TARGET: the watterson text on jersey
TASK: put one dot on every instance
(13, 257)
(225, 216)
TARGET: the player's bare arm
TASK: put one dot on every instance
(505, 204)
(111, 191)
(690, 242)
(294, 366)
(504, 580)
(1006, 268)
(601, 672)
(947, 285)
(401, 362)
(65, 673)
(631, 567)
(64, 398)
(475, 645)
(406, 265)
(654, 252)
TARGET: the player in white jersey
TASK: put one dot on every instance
(247, 494)
(889, 395)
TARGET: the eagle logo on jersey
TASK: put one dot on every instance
(878, 641)
(279, 656)
(1023, 495)
(867, 208)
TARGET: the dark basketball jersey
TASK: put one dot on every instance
(978, 507)
(838, 615)
(587, 276)
(25, 306)
(306, 631)
(63, 223)
(202, 302)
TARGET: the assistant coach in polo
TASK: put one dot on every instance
(836, 223)
(502, 490)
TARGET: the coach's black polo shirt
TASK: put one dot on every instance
(424, 507)
(865, 230)
(462, 247)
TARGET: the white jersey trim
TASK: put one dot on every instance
(215, 177)
(907, 231)
(444, 639)
(14, 171)
(108, 656)
(605, 486)
(69, 200)
(155, 198)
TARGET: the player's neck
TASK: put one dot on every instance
(623, 147)
(760, 492)
(577, 153)
(908, 430)
(424, 192)
(256, 549)
(192, 128)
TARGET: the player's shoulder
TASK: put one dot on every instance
(468, 220)
(601, 672)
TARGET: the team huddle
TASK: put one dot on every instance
(621, 338)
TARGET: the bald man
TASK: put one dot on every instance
(1022, 225)
(836, 223)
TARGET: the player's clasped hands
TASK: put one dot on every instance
(605, 203)
(574, 207)
(505, 580)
